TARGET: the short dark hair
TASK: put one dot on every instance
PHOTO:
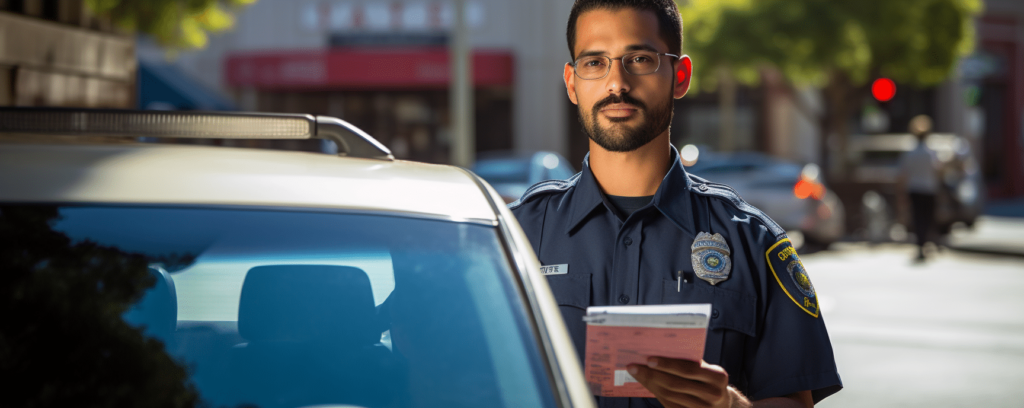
(670, 23)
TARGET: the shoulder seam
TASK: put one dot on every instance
(549, 186)
(730, 195)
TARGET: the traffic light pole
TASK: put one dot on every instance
(463, 142)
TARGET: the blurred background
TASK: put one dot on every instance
(802, 105)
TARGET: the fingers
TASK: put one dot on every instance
(655, 380)
(680, 383)
(693, 370)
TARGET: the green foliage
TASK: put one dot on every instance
(915, 42)
(175, 24)
(63, 341)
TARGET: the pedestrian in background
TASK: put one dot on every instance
(919, 182)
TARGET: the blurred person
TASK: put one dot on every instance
(918, 181)
(634, 228)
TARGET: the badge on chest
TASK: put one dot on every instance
(710, 256)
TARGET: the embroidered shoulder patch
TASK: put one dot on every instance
(790, 274)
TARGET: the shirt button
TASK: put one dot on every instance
(714, 314)
(623, 299)
(628, 241)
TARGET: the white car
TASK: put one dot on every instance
(264, 278)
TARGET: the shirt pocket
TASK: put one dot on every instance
(733, 316)
(572, 293)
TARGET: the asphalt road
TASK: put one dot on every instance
(946, 333)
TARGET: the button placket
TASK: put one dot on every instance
(626, 265)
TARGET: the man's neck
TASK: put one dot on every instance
(631, 174)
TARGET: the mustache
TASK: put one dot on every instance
(621, 98)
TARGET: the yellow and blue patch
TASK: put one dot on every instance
(783, 259)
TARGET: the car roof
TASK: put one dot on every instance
(205, 175)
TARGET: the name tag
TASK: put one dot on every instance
(560, 269)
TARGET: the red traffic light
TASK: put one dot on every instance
(883, 89)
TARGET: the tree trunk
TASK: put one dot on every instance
(842, 100)
(726, 111)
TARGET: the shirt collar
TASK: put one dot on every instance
(586, 197)
(672, 197)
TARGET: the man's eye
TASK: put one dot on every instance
(593, 63)
(641, 59)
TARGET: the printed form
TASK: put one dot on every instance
(621, 335)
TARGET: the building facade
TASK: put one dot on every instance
(384, 66)
(994, 82)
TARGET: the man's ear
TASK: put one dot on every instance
(684, 71)
(570, 83)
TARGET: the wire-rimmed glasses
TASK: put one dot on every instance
(636, 63)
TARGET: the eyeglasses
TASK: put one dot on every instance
(636, 63)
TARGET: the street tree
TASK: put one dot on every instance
(839, 46)
(174, 24)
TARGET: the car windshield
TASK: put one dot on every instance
(292, 308)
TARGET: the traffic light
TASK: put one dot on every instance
(883, 89)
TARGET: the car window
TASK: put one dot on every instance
(510, 170)
(728, 168)
(290, 308)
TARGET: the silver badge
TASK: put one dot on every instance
(710, 256)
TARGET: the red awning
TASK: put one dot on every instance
(360, 68)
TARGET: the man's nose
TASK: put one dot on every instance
(618, 79)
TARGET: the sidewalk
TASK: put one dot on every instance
(991, 234)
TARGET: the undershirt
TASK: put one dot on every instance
(626, 206)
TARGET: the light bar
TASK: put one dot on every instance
(200, 125)
(351, 141)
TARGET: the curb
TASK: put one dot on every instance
(975, 249)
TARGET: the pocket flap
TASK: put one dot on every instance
(571, 289)
(734, 311)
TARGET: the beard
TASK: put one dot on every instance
(619, 137)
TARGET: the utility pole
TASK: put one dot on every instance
(463, 141)
(726, 111)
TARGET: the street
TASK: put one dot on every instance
(945, 333)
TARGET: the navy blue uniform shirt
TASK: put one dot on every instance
(765, 328)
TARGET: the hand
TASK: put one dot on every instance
(683, 383)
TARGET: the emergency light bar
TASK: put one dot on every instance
(351, 140)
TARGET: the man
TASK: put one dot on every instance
(919, 181)
(634, 228)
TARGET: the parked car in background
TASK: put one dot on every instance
(512, 173)
(792, 194)
(141, 273)
(871, 187)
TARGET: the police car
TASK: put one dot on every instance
(146, 273)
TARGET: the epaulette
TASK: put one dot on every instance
(545, 187)
(704, 187)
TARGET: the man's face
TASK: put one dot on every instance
(622, 112)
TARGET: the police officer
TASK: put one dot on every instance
(634, 228)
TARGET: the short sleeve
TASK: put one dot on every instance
(792, 351)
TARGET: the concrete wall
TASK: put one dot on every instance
(45, 63)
